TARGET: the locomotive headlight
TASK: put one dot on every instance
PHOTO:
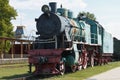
(45, 9)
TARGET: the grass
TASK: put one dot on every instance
(19, 71)
(13, 71)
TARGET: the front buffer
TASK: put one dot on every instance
(46, 61)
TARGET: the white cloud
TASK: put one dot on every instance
(113, 28)
(110, 22)
(33, 4)
(18, 4)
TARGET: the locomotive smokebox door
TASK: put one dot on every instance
(48, 26)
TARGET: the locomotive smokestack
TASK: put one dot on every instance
(53, 6)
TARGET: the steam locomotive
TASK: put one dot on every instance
(68, 44)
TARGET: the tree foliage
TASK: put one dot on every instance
(88, 15)
(7, 13)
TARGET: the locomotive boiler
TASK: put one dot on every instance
(65, 43)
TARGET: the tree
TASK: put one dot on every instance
(7, 13)
(87, 14)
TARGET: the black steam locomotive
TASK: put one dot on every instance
(66, 43)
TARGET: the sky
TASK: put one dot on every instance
(107, 12)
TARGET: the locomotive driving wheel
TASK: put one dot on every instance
(84, 58)
(84, 64)
(79, 67)
(92, 61)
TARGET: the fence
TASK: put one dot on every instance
(15, 51)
